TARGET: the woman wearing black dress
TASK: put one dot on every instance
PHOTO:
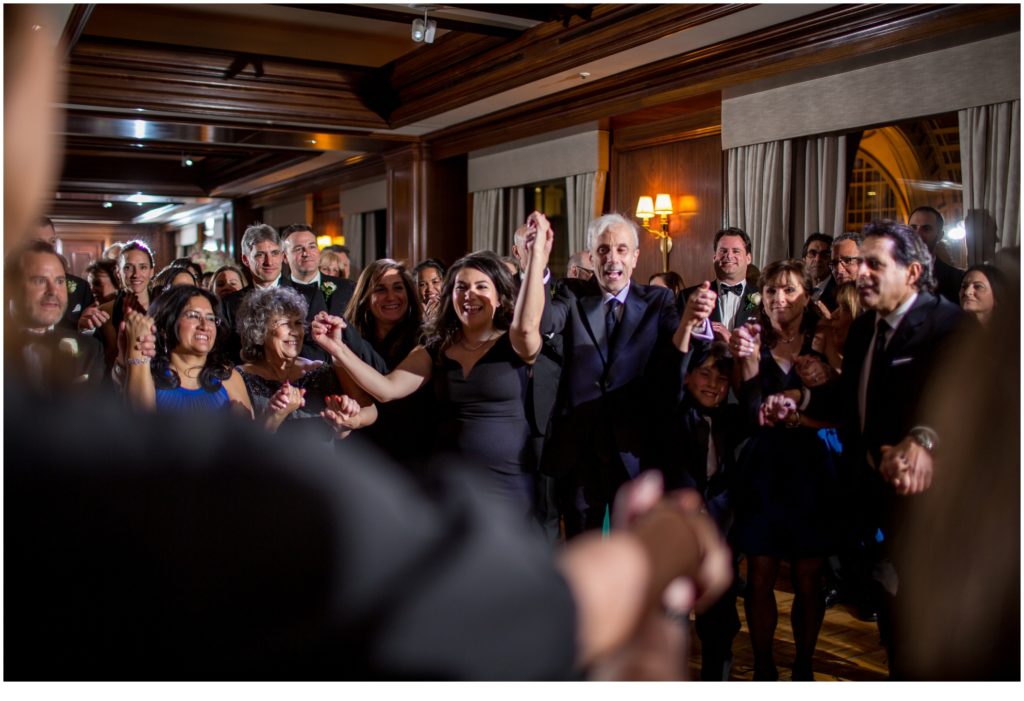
(385, 311)
(785, 492)
(477, 358)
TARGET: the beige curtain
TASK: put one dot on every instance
(759, 195)
(819, 187)
(516, 215)
(584, 195)
(490, 221)
(990, 166)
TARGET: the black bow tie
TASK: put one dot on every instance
(735, 289)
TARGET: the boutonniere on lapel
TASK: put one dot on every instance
(753, 299)
(328, 287)
(72, 286)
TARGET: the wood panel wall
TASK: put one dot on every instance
(81, 239)
(691, 166)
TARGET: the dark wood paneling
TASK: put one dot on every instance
(111, 74)
(687, 167)
(841, 32)
(424, 91)
(447, 235)
(405, 182)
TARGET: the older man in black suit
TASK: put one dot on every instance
(623, 345)
(890, 357)
(736, 300)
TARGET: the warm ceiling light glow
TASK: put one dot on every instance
(688, 204)
(645, 207)
(663, 204)
(324, 241)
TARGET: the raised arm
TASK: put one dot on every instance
(525, 330)
(138, 385)
(408, 377)
(699, 307)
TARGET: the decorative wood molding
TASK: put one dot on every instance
(841, 32)
(131, 75)
(665, 131)
(324, 179)
(73, 28)
(425, 88)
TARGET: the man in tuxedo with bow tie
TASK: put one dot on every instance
(623, 348)
(322, 292)
(890, 357)
(45, 355)
(734, 306)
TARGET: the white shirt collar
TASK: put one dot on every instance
(894, 318)
(275, 283)
(315, 281)
(621, 296)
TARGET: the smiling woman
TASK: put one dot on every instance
(288, 390)
(190, 370)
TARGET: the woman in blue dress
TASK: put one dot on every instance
(476, 354)
(190, 371)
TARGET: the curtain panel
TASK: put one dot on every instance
(990, 166)
(584, 195)
(780, 192)
(489, 221)
(352, 227)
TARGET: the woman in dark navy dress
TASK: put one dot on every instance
(477, 358)
(785, 492)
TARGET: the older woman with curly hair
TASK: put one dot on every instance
(287, 389)
(477, 361)
(190, 370)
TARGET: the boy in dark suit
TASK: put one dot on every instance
(695, 448)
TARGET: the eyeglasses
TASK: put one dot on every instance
(846, 262)
(198, 318)
(815, 254)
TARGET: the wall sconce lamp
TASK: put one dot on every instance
(661, 205)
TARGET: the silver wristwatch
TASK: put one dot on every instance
(925, 437)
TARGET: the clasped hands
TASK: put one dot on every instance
(907, 466)
(699, 306)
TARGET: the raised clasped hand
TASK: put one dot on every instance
(700, 305)
(326, 331)
(746, 340)
(341, 412)
(287, 399)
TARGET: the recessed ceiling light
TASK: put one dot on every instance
(138, 146)
(108, 205)
(312, 141)
(584, 75)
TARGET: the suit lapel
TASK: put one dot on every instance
(916, 316)
(592, 314)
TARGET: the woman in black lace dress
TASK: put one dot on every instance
(290, 392)
(785, 492)
(476, 357)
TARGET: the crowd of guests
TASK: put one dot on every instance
(762, 391)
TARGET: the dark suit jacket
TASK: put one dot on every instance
(828, 295)
(747, 311)
(947, 280)
(80, 297)
(894, 397)
(77, 364)
(610, 401)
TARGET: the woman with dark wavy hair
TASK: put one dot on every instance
(785, 493)
(477, 361)
(190, 370)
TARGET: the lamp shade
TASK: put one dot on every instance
(645, 207)
(663, 204)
